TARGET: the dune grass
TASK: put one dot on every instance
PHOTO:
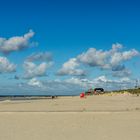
(135, 91)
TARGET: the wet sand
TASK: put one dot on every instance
(96, 117)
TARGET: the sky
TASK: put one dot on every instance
(66, 47)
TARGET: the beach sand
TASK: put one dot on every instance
(71, 118)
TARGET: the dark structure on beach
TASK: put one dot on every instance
(98, 90)
(94, 91)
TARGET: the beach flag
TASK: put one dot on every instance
(82, 95)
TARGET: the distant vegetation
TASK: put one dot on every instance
(130, 91)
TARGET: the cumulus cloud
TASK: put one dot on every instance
(37, 64)
(40, 56)
(116, 47)
(33, 70)
(81, 82)
(6, 66)
(16, 43)
(106, 59)
(70, 68)
(112, 59)
(119, 57)
(102, 79)
(93, 57)
(35, 82)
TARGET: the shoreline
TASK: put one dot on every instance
(95, 103)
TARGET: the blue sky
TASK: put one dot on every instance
(63, 38)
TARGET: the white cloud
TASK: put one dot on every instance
(35, 82)
(40, 56)
(93, 57)
(126, 79)
(119, 57)
(77, 81)
(70, 68)
(37, 64)
(33, 70)
(16, 43)
(6, 66)
(112, 60)
(72, 86)
(116, 47)
(122, 73)
(129, 54)
(102, 81)
(106, 59)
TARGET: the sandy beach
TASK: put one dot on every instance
(95, 117)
